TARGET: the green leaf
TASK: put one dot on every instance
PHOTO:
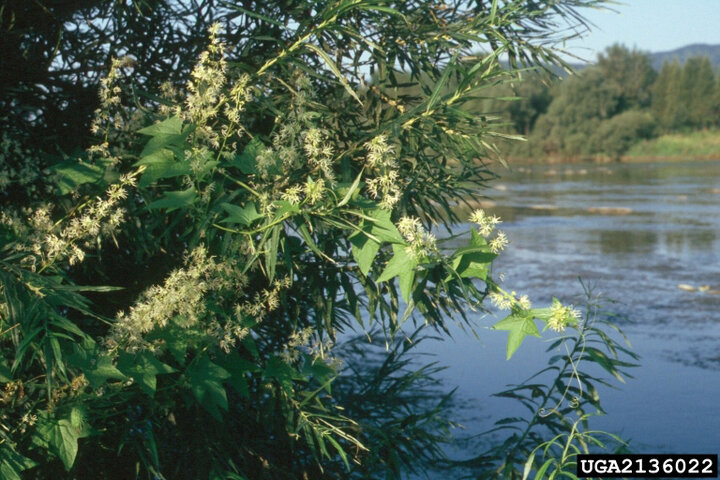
(519, 325)
(441, 83)
(471, 263)
(402, 266)
(63, 441)
(284, 207)
(161, 164)
(174, 144)
(277, 369)
(74, 173)
(307, 236)
(329, 62)
(5, 373)
(79, 421)
(12, 463)
(528, 465)
(364, 250)
(175, 340)
(405, 280)
(97, 366)
(541, 471)
(353, 188)
(206, 383)
(320, 370)
(238, 368)
(400, 263)
(493, 13)
(246, 161)
(169, 126)
(174, 200)
(382, 226)
(144, 369)
(477, 240)
(59, 436)
(271, 252)
(242, 215)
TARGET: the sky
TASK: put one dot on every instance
(650, 25)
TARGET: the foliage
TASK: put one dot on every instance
(172, 296)
(703, 143)
(560, 400)
(606, 108)
(615, 136)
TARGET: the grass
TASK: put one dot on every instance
(691, 145)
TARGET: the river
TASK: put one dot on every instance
(645, 235)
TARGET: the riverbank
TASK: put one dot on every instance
(693, 146)
(700, 144)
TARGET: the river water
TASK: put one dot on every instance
(645, 235)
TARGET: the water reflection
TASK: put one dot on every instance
(623, 241)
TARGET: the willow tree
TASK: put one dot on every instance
(173, 297)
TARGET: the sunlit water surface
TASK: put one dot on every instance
(646, 235)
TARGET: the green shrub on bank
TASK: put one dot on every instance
(690, 145)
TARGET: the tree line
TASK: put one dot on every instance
(605, 109)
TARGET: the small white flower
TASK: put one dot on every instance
(498, 243)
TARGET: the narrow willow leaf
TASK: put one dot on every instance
(441, 84)
(542, 470)
(493, 13)
(307, 236)
(352, 190)
(12, 464)
(271, 252)
(334, 68)
(528, 465)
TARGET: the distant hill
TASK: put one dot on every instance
(657, 58)
(683, 53)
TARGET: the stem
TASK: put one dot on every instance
(547, 396)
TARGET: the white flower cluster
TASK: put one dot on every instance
(561, 316)
(422, 243)
(486, 226)
(318, 151)
(304, 341)
(49, 241)
(110, 99)
(206, 82)
(381, 159)
(298, 165)
(180, 298)
(264, 302)
(504, 301)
